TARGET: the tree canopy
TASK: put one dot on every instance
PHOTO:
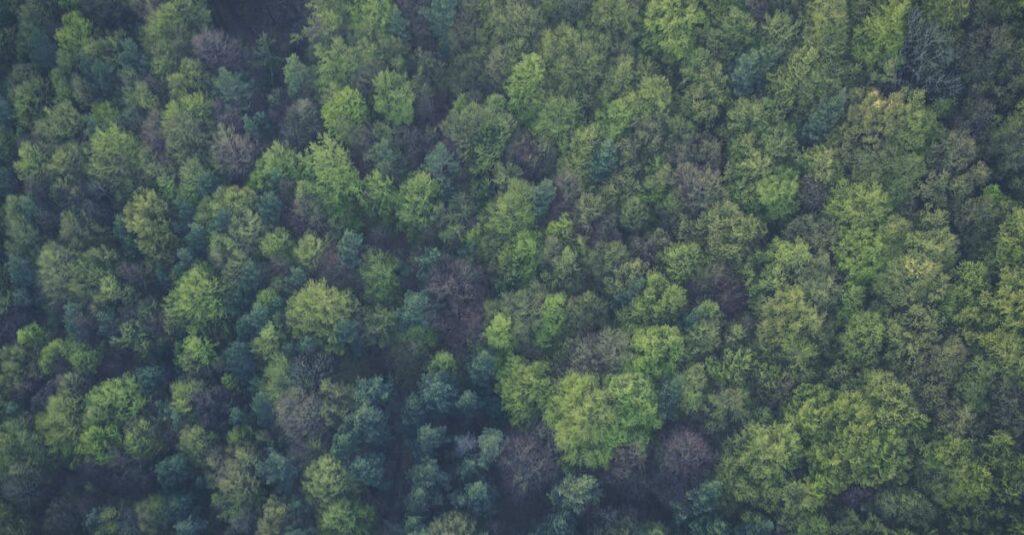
(511, 266)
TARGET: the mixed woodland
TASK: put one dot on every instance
(512, 266)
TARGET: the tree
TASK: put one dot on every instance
(325, 481)
(657, 351)
(682, 459)
(863, 339)
(728, 232)
(860, 437)
(885, 140)
(60, 353)
(217, 49)
(195, 304)
(418, 205)
(572, 497)
(790, 329)
(680, 261)
(188, 78)
(867, 232)
(196, 354)
(787, 263)
(528, 465)
(1010, 240)
(146, 218)
(759, 460)
(551, 324)
(524, 389)
(479, 131)
(660, 302)
(955, 479)
(452, 523)
(393, 97)
(524, 88)
(233, 93)
(671, 27)
(113, 423)
(322, 313)
(168, 31)
(308, 251)
(237, 493)
(301, 123)
(60, 423)
(187, 125)
(277, 166)
(878, 40)
(232, 153)
(299, 78)
(117, 162)
(930, 56)
(590, 420)
(345, 517)
(330, 198)
(379, 273)
(23, 463)
(526, 266)
(517, 260)
(1006, 142)
(344, 114)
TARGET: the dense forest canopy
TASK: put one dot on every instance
(512, 266)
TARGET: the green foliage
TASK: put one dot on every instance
(59, 353)
(344, 113)
(522, 266)
(956, 479)
(329, 197)
(680, 261)
(1010, 240)
(671, 27)
(524, 389)
(326, 481)
(344, 517)
(393, 97)
(378, 272)
(498, 333)
(146, 218)
(590, 419)
(196, 354)
(878, 40)
(321, 312)
(479, 131)
(418, 205)
(758, 461)
(524, 88)
(860, 437)
(113, 423)
(237, 491)
(117, 161)
(886, 138)
(187, 125)
(660, 302)
(60, 423)
(867, 232)
(658, 351)
(790, 329)
(195, 304)
(308, 250)
(505, 237)
(863, 339)
(168, 30)
(551, 323)
(277, 166)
